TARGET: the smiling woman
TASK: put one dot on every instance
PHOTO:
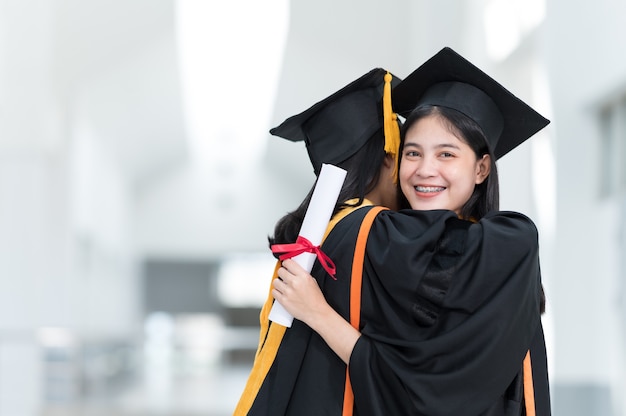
(439, 169)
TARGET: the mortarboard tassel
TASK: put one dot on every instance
(392, 130)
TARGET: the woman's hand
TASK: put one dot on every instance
(301, 296)
(299, 293)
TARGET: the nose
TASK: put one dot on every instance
(426, 167)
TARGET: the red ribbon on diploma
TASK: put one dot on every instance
(302, 245)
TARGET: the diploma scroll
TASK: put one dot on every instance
(323, 200)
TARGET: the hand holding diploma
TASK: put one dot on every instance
(306, 249)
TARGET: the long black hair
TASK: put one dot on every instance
(363, 173)
(486, 195)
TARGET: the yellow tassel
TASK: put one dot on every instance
(392, 130)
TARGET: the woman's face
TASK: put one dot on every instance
(438, 170)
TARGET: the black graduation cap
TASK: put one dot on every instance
(449, 80)
(338, 126)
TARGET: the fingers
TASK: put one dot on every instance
(283, 273)
(291, 276)
(292, 266)
(279, 285)
(289, 270)
(292, 269)
(276, 294)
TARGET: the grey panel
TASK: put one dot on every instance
(180, 286)
(581, 399)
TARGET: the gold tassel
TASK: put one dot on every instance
(392, 130)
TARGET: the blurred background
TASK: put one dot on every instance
(138, 182)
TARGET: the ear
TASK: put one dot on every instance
(389, 160)
(483, 168)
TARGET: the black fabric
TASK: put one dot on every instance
(540, 373)
(338, 126)
(434, 285)
(469, 100)
(466, 360)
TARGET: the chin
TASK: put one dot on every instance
(424, 207)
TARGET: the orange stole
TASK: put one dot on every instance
(355, 296)
(529, 390)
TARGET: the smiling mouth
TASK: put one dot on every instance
(429, 189)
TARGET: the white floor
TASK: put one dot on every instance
(209, 393)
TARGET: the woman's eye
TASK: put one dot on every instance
(446, 154)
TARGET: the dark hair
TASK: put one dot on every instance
(363, 174)
(486, 196)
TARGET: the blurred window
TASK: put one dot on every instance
(612, 121)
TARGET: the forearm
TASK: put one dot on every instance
(336, 331)
(299, 293)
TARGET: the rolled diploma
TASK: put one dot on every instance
(323, 200)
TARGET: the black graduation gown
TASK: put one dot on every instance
(448, 311)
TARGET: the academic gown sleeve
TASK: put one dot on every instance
(449, 310)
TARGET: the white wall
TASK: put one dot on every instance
(67, 253)
(583, 52)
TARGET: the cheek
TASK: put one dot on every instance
(466, 173)
(470, 186)
(463, 178)
(404, 173)
(404, 185)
